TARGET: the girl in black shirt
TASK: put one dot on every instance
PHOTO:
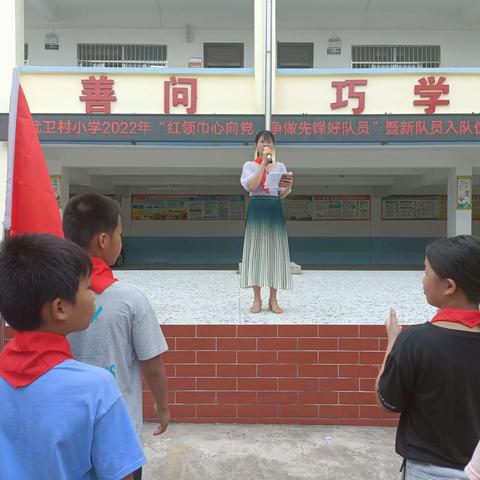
(431, 372)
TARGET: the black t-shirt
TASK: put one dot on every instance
(432, 377)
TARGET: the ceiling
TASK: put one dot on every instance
(239, 14)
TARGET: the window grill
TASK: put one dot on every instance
(223, 55)
(118, 55)
(294, 55)
(395, 56)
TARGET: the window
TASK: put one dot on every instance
(116, 55)
(223, 55)
(294, 55)
(395, 56)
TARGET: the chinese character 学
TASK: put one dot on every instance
(98, 94)
(430, 90)
(180, 91)
(350, 84)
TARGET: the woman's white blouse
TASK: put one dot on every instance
(248, 171)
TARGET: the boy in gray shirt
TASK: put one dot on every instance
(125, 337)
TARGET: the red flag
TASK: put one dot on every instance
(30, 205)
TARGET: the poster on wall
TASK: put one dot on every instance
(464, 193)
(341, 207)
(187, 207)
(299, 207)
(56, 184)
(415, 207)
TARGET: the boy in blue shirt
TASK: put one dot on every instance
(59, 418)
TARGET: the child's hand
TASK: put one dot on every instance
(393, 328)
(163, 415)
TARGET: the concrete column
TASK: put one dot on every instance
(259, 54)
(64, 188)
(459, 221)
(11, 55)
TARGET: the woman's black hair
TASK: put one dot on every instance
(264, 135)
(458, 258)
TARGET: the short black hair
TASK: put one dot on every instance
(89, 214)
(264, 135)
(35, 270)
(458, 258)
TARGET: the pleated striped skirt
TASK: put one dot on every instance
(266, 257)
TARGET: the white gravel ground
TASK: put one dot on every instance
(319, 296)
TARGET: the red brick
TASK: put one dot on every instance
(256, 357)
(338, 357)
(318, 421)
(171, 343)
(195, 397)
(372, 358)
(337, 384)
(196, 370)
(236, 397)
(318, 371)
(277, 397)
(148, 412)
(359, 422)
(178, 411)
(257, 384)
(236, 370)
(170, 370)
(389, 423)
(216, 384)
(216, 411)
(340, 331)
(297, 357)
(298, 384)
(226, 420)
(236, 343)
(358, 344)
(178, 357)
(375, 412)
(178, 330)
(373, 331)
(257, 330)
(181, 383)
(382, 344)
(358, 371)
(318, 343)
(257, 410)
(318, 398)
(297, 330)
(216, 331)
(278, 421)
(216, 357)
(357, 398)
(277, 343)
(277, 370)
(196, 344)
(299, 411)
(338, 411)
(367, 384)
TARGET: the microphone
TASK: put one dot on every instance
(269, 158)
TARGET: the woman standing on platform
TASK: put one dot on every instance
(266, 257)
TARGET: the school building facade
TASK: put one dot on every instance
(375, 106)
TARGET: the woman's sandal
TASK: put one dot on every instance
(256, 307)
(274, 307)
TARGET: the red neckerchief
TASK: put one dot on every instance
(469, 318)
(31, 354)
(264, 176)
(101, 276)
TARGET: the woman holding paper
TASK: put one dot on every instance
(266, 257)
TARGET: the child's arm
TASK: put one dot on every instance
(393, 331)
(473, 468)
(154, 373)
